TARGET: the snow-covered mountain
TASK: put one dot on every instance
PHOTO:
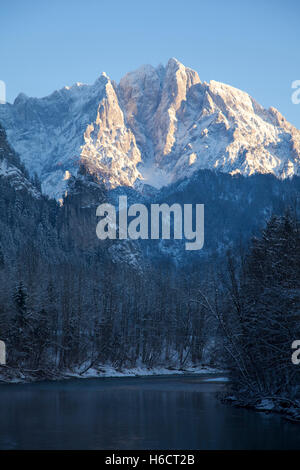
(157, 126)
(12, 171)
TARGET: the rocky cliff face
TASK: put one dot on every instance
(158, 126)
(110, 151)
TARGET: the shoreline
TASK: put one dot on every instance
(10, 375)
(286, 408)
(270, 405)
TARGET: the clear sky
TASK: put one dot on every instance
(250, 44)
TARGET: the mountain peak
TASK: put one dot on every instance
(159, 125)
(20, 99)
(138, 75)
(173, 62)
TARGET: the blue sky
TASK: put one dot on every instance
(253, 45)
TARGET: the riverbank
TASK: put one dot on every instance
(17, 375)
(289, 409)
(164, 412)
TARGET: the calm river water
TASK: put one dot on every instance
(165, 412)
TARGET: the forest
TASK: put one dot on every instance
(70, 302)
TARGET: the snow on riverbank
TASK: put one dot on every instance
(289, 409)
(108, 371)
(12, 375)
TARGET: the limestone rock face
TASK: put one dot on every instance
(157, 126)
(110, 151)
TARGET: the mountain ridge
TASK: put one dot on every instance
(157, 126)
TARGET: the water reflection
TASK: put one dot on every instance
(134, 413)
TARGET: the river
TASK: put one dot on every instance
(162, 412)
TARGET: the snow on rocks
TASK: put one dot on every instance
(158, 126)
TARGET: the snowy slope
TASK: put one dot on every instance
(48, 133)
(157, 126)
(11, 170)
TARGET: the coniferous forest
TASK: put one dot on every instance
(70, 303)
